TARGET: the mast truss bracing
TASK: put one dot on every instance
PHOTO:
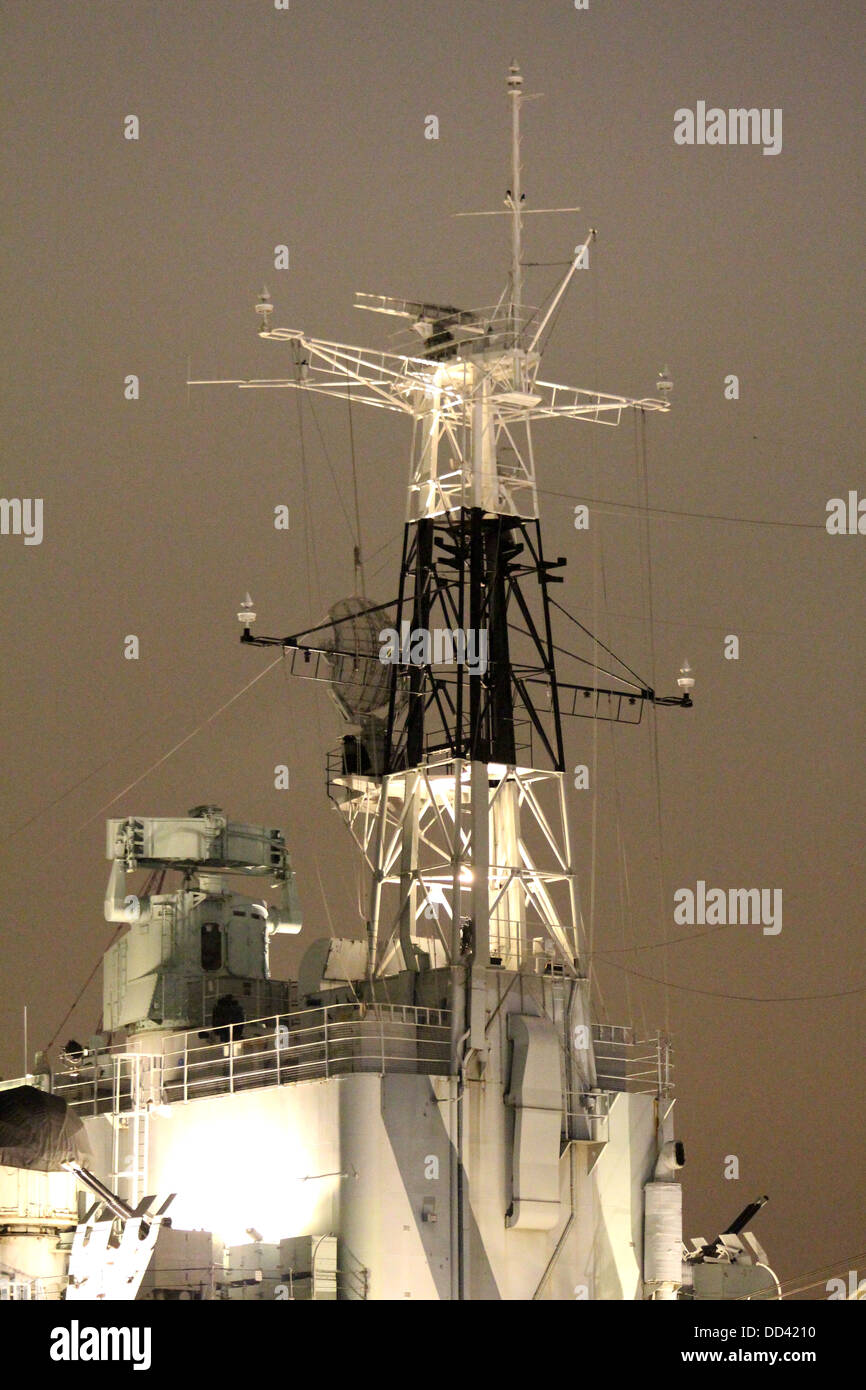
(471, 413)
(431, 893)
(469, 570)
(458, 803)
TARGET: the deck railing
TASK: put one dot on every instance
(337, 1040)
(333, 1040)
(625, 1061)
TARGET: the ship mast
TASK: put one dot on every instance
(515, 95)
(452, 781)
(451, 776)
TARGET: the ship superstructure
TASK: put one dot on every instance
(431, 1111)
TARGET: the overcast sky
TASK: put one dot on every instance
(144, 257)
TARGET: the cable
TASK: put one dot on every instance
(646, 557)
(672, 511)
(165, 757)
(673, 940)
(290, 741)
(78, 996)
(316, 712)
(330, 466)
(359, 563)
(584, 661)
(715, 627)
(593, 834)
(387, 560)
(310, 566)
(597, 641)
(101, 766)
(63, 795)
(737, 998)
(819, 1269)
(49, 806)
(129, 787)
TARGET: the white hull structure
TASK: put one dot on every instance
(38, 1212)
(342, 1122)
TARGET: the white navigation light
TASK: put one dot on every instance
(247, 614)
(664, 385)
(686, 678)
(264, 309)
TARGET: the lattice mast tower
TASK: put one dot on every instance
(455, 793)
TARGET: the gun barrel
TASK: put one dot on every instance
(99, 1189)
(745, 1216)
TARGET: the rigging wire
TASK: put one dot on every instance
(357, 553)
(311, 566)
(77, 1000)
(583, 660)
(292, 750)
(593, 859)
(210, 719)
(129, 787)
(316, 711)
(625, 902)
(737, 998)
(643, 482)
(598, 642)
(671, 940)
(49, 806)
(356, 536)
(630, 507)
(165, 757)
(387, 561)
(331, 470)
(129, 742)
(392, 540)
(715, 627)
(850, 1260)
(354, 532)
(627, 919)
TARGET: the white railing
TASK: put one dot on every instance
(334, 1040)
(22, 1290)
(623, 1062)
(626, 1062)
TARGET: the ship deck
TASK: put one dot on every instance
(165, 1068)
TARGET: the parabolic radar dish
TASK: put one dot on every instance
(361, 682)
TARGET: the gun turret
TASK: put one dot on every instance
(713, 1249)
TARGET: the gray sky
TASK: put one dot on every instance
(307, 128)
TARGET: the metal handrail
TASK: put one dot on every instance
(311, 1043)
(337, 773)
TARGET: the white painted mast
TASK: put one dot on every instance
(477, 842)
(515, 93)
(472, 392)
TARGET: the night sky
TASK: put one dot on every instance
(260, 127)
